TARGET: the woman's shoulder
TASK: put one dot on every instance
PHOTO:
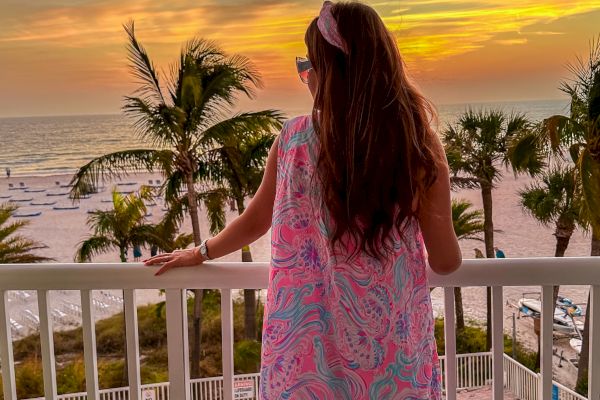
(297, 124)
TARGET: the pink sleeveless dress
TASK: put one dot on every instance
(334, 330)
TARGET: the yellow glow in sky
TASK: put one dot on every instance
(68, 56)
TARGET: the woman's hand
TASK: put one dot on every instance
(178, 258)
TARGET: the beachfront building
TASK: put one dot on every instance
(495, 371)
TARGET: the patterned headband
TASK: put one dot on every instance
(329, 29)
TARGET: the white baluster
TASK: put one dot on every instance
(227, 343)
(497, 343)
(6, 351)
(450, 340)
(594, 352)
(89, 345)
(133, 349)
(547, 324)
(177, 344)
(47, 344)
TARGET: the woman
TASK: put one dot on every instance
(353, 195)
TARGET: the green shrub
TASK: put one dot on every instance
(29, 379)
(247, 357)
(582, 387)
(111, 374)
(71, 378)
(473, 340)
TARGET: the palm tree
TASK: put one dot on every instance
(166, 236)
(577, 135)
(468, 225)
(120, 228)
(476, 148)
(182, 120)
(15, 248)
(555, 200)
(238, 164)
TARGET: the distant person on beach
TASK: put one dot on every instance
(357, 196)
(7, 173)
(499, 253)
(478, 253)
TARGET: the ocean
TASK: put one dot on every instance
(59, 145)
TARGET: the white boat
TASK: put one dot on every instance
(562, 321)
(575, 344)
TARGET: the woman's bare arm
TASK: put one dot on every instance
(256, 219)
(254, 222)
(435, 219)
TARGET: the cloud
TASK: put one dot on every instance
(82, 43)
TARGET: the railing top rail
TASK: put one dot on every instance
(238, 275)
(569, 391)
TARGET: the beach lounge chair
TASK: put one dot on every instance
(26, 214)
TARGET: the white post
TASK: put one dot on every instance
(89, 345)
(133, 349)
(227, 342)
(497, 343)
(450, 341)
(177, 345)
(547, 326)
(594, 352)
(47, 344)
(6, 351)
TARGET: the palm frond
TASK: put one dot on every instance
(241, 126)
(141, 66)
(92, 246)
(159, 124)
(215, 209)
(468, 225)
(589, 168)
(15, 248)
(118, 164)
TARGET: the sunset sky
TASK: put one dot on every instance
(63, 57)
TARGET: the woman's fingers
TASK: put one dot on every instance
(167, 266)
(158, 259)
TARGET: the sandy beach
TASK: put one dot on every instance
(63, 229)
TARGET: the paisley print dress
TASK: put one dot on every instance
(334, 329)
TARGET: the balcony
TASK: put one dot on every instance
(494, 369)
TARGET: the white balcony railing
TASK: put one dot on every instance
(544, 272)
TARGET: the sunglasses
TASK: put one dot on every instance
(303, 66)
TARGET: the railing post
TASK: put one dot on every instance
(89, 345)
(547, 326)
(177, 345)
(133, 349)
(6, 350)
(47, 345)
(497, 343)
(227, 343)
(594, 351)
(450, 342)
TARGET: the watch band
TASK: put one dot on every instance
(204, 250)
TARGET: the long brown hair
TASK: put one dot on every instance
(373, 127)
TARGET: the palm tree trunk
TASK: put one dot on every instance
(582, 366)
(488, 236)
(123, 252)
(198, 293)
(250, 330)
(460, 315)
(563, 232)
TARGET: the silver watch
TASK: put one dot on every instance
(204, 250)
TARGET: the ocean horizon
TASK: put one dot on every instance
(57, 145)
